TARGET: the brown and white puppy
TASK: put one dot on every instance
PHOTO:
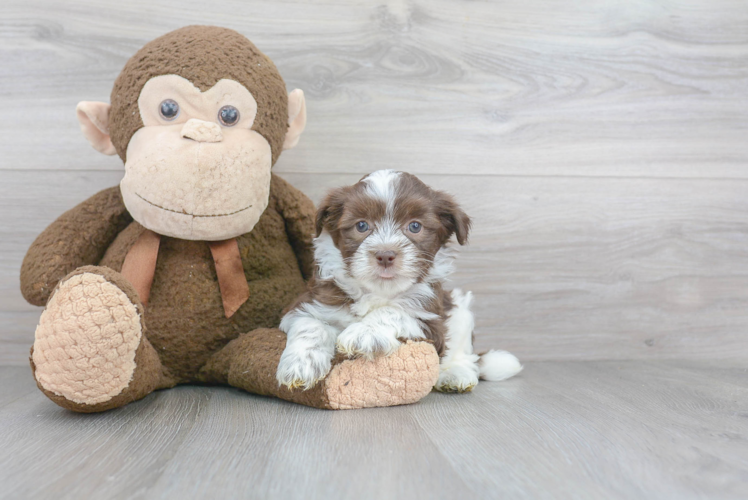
(382, 254)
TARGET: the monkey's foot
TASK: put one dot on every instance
(90, 353)
(404, 377)
(250, 362)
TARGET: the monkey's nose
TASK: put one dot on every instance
(202, 131)
(385, 258)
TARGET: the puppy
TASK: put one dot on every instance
(382, 253)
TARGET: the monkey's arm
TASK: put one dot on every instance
(298, 212)
(77, 238)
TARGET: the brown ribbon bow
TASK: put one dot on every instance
(140, 266)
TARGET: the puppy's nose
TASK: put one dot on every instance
(385, 258)
(202, 131)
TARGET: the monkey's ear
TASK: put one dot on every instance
(296, 118)
(94, 120)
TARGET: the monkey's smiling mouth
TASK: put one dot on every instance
(180, 212)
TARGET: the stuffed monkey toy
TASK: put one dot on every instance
(181, 274)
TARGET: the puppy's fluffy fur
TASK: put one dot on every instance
(382, 256)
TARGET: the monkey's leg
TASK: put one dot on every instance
(250, 361)
(90, 353)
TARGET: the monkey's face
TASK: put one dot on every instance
(196, 170)
(184, 117)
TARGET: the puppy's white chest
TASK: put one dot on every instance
(368, 303)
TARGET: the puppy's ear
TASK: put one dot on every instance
(454, 219)
(330, 210)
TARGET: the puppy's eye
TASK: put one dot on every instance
(414, 227)
(169, 109)
(362, 226)
(228, 116)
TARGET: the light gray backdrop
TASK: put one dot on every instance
(600, 146)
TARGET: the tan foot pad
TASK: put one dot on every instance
(404, 377)
(86, 340)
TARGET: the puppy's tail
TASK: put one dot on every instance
(498, 365)
(493, 365)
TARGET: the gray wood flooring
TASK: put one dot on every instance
(584, 430)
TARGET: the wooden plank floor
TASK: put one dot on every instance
(585, 430)
(600, 147)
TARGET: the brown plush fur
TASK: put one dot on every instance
(250, 362)
(77, 238)
(185, 274)
(185, 318)
(185, 52)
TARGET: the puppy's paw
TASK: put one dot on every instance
(457, 377)
(302, 367)
(361, 339)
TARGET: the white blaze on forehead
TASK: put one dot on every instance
(386, 233)
(382, 185)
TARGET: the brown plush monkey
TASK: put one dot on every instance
(180, 274)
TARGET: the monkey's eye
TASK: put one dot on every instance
(362, 226)
(228, 116)
(414, 227)
(169, 109)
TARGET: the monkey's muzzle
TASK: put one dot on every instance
(202, 131)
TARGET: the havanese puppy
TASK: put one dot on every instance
(382, 256)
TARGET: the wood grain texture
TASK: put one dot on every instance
(568, 268)
(608, 87)
(586, 430)
(600, 147)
